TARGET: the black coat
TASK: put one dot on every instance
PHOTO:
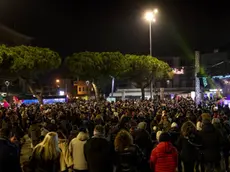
(189, 148)
(99, 155)
(9, 157)
(129, 160)
(143, 141)
(211, 142)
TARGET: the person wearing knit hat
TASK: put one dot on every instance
(174, 125)
(142, 125)
(164, 157)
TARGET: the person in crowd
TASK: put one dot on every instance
(46, 155)
(175, 134)
(212, 143)
(34, 133)
(128, 157)
(143, 140)
(9, 153)
(158, 136)
(44, 131)
(189, 145)
(52, 126)
(164, 157)
(98, 152)
(76, 148)
(153, 133)
(164, 124)
(122, 125)
(66, 161)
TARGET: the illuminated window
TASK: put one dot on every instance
(79, 89)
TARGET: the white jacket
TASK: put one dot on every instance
(76, 148)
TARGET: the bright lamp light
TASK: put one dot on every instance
(149, 16)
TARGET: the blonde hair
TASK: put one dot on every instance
(123, 140)
(158, 135)
(48, 149)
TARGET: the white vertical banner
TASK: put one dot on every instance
(197, 80)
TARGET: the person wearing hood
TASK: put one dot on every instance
(212, 142)
(98, 152)
(76, 148)
(164, 157)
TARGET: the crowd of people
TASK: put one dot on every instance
(122, 136)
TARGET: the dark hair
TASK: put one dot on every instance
(61, 135)
(83, 129)
(100, 129)
(5, 132)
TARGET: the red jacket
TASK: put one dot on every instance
(164, 158)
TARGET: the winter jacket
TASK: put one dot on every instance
(129, 160)
(9, 157)
(164, 158)
(99, 155)
(76, 148)
(212, 142)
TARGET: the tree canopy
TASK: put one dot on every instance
(30, 63)
(98, 67)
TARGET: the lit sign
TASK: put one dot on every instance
(61, 93)
(215, 90)
(178, 71)
(221, 77)
(205, 81)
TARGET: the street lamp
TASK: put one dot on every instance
(150, 16)
(7, 83)
(112, 89)
(88, 91)
(57, 81)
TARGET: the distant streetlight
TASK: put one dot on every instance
(150, 16)
(88, 91)
(112, 86)
(57, 81)
(7, 83)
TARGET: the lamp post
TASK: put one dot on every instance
(87, 84)
(7, 83)
(112, 86)
(150, 16)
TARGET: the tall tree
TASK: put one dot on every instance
(32, 64)
(96, 67)
(142, 69)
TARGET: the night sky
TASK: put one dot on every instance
(69, 26)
